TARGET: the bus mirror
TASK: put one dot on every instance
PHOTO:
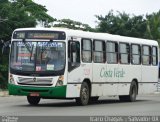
(5, 48)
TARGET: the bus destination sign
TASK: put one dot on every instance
(56, 35)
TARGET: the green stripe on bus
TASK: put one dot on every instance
(57, 92)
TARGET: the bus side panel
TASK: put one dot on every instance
(104, 80)
(110, 89)
(149, 79)
(74, 81)
(97, 89)
(111, 80)
(73, 90)
(76, 77)
(128, 73)
(147, 88)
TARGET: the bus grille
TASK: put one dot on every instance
(35, 81)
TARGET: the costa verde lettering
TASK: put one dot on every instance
(116, 72)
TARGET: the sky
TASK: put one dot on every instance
(85, 10)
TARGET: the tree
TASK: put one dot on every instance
(137, 26)
(134, 26)
(153, 26)
(122, 24)
(20, 14)
(68, 23)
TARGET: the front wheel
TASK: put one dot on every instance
(84, 95)
(33, 100)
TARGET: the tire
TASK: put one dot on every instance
(84, 95)
(33, 100)
(132, 93)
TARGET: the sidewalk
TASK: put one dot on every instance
(3, 93)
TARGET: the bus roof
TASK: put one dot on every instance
(95, 35)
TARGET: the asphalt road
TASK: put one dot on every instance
(18, 106)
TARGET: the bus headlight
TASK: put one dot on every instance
(60, 81)
(11, 79)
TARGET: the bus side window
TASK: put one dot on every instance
(112, 52)
(146, 55)
(99, 51)
(86, 50)
(135, 54)
(154, 56)
(124, 53)
(73, 55)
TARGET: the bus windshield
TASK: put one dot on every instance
(37, 57)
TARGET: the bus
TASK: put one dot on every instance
(60, 63)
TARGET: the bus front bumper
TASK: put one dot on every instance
(52, 92)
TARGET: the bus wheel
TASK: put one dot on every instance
(132, 93)
(33, 100)
(84, 95)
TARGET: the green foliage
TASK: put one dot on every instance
(67, 23)
(3, 68)
(20, 14)
(122, 24)
(153, 26)
(134, 26)
(3, 71)
(3, 76)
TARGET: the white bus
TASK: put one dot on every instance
(72, 64)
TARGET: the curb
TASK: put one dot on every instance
(4, 93)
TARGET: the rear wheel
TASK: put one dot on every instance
(84, 95)
(33, 100)
(132, 93)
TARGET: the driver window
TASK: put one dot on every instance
(73, 54)
(74, 51)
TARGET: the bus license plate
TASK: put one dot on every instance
(34, 94)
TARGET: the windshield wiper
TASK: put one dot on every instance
(27, 45)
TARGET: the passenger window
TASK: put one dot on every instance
(135, 54)
(99, 51)
(86, 50)
(146, 55)
(124, 53)
(112, 52)
(154, 56)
